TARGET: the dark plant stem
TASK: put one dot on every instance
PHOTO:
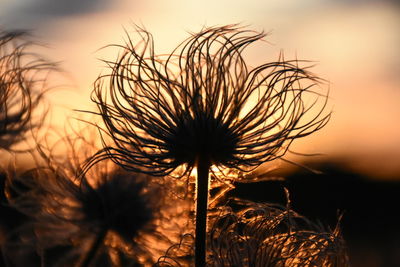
(99, 240)
(203, 167)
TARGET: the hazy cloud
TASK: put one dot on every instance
(33, 13)
(64, 7)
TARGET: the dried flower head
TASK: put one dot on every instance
(204, 101)
(22, 84)
(260, 234)
(108, 216)
(113, 213)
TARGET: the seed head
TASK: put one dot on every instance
(203, 101)
(261, 234)
(110, 212)
(22, 84)
(73, 214)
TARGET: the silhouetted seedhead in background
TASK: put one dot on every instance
(22, 84)
(118, 204)
(108, 216)
(109, 212)
(260, 234)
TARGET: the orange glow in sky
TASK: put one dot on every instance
(354, 46)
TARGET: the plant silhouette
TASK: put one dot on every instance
(262, 234)
(108, 217)
(202, 106)
(23, 77)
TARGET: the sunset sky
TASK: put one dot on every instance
(354, 43)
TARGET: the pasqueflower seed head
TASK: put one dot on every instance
(202, 101)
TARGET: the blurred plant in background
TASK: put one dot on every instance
(263, 234)
(23, 76)
(108, 216)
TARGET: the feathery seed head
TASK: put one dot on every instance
(107, 212)
(119, 203)
(113, 205)
(261, 234)
(203, 101)
(22, 81)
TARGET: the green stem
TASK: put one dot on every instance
(97, 243)
(203, 166)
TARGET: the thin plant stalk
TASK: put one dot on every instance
(203, 167)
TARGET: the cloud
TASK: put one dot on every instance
(34, 13)
(64, 7)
